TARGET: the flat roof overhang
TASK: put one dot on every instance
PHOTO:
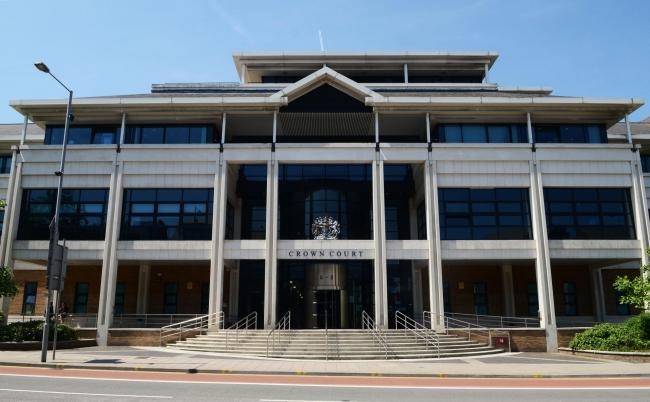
(443, 109)
(142, 109)
(273, 63)
(485, 108)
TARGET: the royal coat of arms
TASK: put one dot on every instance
(325, 228)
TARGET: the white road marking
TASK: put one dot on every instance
(84, 393)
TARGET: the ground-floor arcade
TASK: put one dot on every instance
(327, 293)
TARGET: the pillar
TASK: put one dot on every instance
(12, 213)
(436, 303)
(542, 258)
(271, 262)
(109, 259)
(216, 257)
(598, 294)
(144, 281)
(378, 222)
(508, 290)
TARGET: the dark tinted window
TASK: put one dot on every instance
(82, 135)
(589, 213)
(484, 214)
(167, 214)
(83, 214)
(570, 133)
(481, 133)
(170, 134)
(5, 164)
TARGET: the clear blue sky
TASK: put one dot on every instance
(593, 48)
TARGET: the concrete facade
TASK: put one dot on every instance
(254, 108)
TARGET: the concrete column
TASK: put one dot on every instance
(378, 222)
(218, 222)
(144, 280)
(599, 293)
(542, 259)
(416, 275)
(12, 211)
(508, 290)
(271, 263)
(110, 259)
(436, 301)
(233, 296)
(640, 206)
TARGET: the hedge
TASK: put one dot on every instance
(631, 335)
(33, 331)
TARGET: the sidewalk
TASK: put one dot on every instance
(161, 359)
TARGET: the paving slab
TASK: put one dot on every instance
(161, 359)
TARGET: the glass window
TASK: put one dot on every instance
(29, 298)
(570, 298)
(621, 309)
(177, 135)
(80, 298)
(474, 133)
(169, 214)
(532, 299)
(570, 133)
(482, 133)
(79, 220)
(499, 134)
(5, 164)
(480, 298)
(486, 214)
(170, 298)
(82, 135)
(589, 213)
(118, 306)
(152, 135)
(421, 215)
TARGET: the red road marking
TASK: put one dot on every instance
(385, 381)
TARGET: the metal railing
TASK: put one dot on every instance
(458, 325)
(496, 321)
(368, 324)
(284, 324)
(242, 325)
(418, 330)
(150, 320)
(193, 325)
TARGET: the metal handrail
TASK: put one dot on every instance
(200, 324)
(453, 323)
(368, 324)
(496, 321)
(244, 324)
(420, 331)
(283, 324)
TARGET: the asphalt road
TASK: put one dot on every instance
(30, 384)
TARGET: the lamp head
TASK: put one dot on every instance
(42, 67)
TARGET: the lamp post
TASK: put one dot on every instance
(54, 224)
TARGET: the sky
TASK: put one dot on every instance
(591, 48)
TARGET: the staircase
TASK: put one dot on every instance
(347, 344)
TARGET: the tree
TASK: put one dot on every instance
(8, 284)
(635, 291)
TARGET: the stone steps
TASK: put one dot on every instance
(340, 344)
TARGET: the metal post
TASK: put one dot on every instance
(54, 225)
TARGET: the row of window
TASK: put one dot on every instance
(465, 214)
(517, 133)
(145, 134)
(444, 133)
(80, 300)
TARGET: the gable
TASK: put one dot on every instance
(325, 99)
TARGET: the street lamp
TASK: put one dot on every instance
(54, 251)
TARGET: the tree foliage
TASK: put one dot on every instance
(8, 284)
(635, 291)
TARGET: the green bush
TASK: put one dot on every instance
(632, 335)
(33, 331)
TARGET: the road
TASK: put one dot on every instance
(43, 384)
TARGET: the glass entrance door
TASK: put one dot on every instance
(327, 309)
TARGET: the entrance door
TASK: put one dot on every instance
(327, 309)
